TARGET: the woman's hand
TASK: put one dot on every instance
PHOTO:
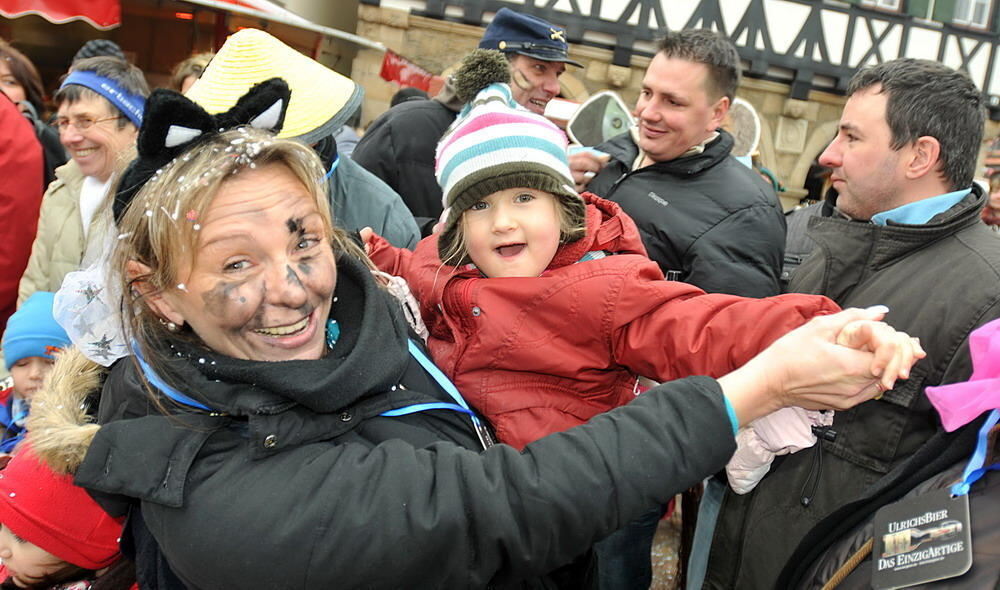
(808, 368)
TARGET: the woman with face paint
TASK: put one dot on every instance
(279, 426)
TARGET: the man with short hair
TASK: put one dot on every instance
(400, 145)
(904, 232)
(100, 104)
(704, 218)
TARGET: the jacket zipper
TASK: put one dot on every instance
(816, 470)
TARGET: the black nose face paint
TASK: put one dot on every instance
(292, 278)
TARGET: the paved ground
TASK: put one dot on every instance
(664, 554)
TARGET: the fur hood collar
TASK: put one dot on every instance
(60, 426)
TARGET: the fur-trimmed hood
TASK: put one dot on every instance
(59, 426)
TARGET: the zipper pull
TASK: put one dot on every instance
(815, 470)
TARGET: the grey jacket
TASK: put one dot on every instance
(940, 281)
(360, 199)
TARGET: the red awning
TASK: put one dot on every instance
(266, 10)
(101, 14)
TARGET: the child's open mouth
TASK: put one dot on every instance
(510, 250)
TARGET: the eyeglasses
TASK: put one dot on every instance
(81, 123)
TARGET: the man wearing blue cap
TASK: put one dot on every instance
(399, 146)
(100, 105)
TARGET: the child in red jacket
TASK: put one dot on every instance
(540, 304)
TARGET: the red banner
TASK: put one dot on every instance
(102, 14)
(396, 68)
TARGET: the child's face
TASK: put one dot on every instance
(26, 562)
(29, 373)
(513, 232)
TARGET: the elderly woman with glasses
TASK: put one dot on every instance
(100, 106)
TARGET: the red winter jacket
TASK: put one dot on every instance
(21, 173)
(542, 354)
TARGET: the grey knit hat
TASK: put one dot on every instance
(496, 144)
(99, 47)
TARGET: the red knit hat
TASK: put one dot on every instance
(47, 510)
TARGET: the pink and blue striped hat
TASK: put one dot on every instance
(496, 144)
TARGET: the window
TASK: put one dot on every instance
(972, 12)
(883, 4)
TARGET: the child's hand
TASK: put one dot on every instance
(894, 352)
(367, 234)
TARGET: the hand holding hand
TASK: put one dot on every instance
(831, 375)
(894, 352)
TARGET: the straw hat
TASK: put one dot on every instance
(322, 100)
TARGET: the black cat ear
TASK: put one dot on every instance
(173, 123)
(263, 107)
(170, 122)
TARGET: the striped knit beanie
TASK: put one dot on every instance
(496, 144)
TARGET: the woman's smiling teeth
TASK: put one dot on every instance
(285, 330)
(83, 152)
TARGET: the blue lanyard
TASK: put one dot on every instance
(336, 162)
(332, 333)
(162, 385)
(460, 404)
(975, 469)
(485, 438)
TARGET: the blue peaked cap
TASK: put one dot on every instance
(513, 32)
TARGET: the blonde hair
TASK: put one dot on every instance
(159, 228)
(571, 229)
(192, 66)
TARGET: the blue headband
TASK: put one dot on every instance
(131, 105)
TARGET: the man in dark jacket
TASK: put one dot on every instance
(704, 217)
(399, 146)
(903, 232)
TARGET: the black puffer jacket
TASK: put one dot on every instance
(301, 484)
(399, 147)
(940, 280)
(706, 215)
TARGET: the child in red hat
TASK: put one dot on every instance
(53, 534)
